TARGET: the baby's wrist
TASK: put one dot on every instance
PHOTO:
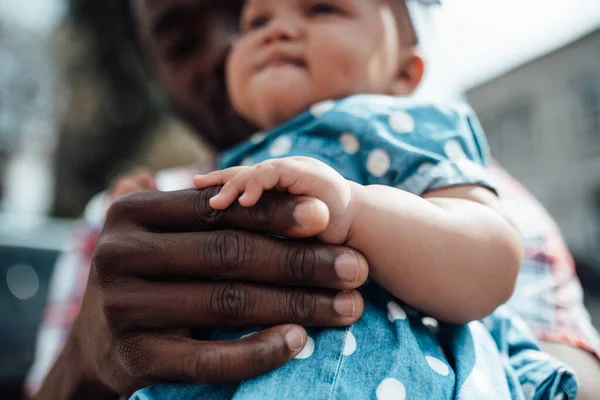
(356, 207)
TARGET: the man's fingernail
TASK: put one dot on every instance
(345, 305)
(294, 340)
(303, 213)
(346, 267)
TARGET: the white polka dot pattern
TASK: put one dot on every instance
(391, 389)
(350, 143)
(430, 323)
(402, 122)
(322, 108)
(454, 150)
(378, 163)
(247, 162)
(281, 146)
(350, 344)
(308, 350)
(395, 312)
(438, 366)
(257, 138)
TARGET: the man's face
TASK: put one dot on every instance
(294, 53)
(186, 43)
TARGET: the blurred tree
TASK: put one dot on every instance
(105, 108)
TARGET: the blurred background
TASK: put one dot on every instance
(76, 110)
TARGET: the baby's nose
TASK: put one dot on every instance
(283, 29)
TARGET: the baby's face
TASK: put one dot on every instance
(294, 53)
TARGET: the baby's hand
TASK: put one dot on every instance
(302, 176)
(134, 181)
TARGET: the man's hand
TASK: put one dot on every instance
(152, 278)
(134, 181)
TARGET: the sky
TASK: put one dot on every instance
(480, 39)
(476, 39)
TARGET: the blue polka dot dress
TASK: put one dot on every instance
(393, 351)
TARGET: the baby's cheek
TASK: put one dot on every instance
(236, 78)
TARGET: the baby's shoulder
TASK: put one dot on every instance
(372, 104)
(401, 114)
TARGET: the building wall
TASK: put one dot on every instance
(543, 123)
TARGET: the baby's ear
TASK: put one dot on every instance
(410, 74)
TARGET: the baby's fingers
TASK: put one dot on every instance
(216, 178)
(252, 194)
(228, 194)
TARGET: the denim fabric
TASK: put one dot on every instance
(393, 351)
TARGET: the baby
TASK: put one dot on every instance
(361, 155)
(404, 183)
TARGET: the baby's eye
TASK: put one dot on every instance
(323, 9)
(257, 22)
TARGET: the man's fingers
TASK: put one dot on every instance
(233, 255)
(189, 210)
(233, 304)
(224, 361)
(122, 187)
(147, 181)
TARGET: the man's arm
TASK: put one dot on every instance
(585, 365)
(67, 379)
(554, 311)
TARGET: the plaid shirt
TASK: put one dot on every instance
(548, 295)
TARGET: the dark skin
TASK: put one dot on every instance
(132, 330)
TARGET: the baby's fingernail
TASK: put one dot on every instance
(346, 267)
(213, 200)
(345, 305)
(303, 213)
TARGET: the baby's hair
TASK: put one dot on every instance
(407, 27)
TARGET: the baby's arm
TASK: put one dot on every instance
(450, 253)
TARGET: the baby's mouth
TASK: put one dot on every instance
(280, 62)
(281, 59)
